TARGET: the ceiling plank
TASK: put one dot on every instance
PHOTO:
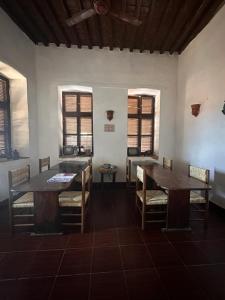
(138, 13)
(148, 23)
(18, 20)
(89, 38)
(123, 25)
(48, 25)
(68, 14)
(165, 13)
(190, 25)
(51, 6)
(214, 8)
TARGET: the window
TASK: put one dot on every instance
(141, 111)
(78, 121)
(5, 132)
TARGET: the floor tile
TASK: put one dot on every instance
(179, 284)
(105, 238)
(135, 257)
(78, 240)
(129, 236)
(153, 236)
(8, 290)
(106, 259)
(71, 288)
(211, 279)
(34, 288)
(108, 286)
(190, 253)
(76, 261)
(54, 242)
(145, 284)
(44, 263)
(213, 250)
(163, 254)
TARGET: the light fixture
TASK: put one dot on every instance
(195, 109)
(109, 114)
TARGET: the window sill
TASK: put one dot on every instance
(156, 157)
(4, 160)
(74, 156)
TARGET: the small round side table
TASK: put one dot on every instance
(107, 171)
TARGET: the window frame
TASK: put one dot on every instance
(140, 116)
(79, 115)
(5, 105)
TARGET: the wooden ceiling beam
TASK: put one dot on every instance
(89, 38)
(111, 23)
(59, 25)
(148, 22)
(213, 9)
(189, 27)
(18, 20)
(39, 9)
(138, 13)
(99, 29)
(66, 10)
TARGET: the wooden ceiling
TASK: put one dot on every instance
(167, 25)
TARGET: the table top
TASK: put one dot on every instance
(173, 179)
(39, 182)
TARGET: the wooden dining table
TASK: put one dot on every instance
(46, 206)
(178, 185)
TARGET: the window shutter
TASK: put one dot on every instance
(147, 105)
(132, 105)
(132, 126)
(85, 103)
(70, 125)
(70, 103)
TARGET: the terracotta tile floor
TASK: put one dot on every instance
(114, 259)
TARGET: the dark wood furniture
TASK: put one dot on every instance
(21, 205)
(148, 199)
(199, 200)
(44, 163)
(179, 186)
(167, 163)
(73, 204)
(46, 207)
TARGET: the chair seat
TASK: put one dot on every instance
(72, 198)
(27, 200)
(196, 197)
(153, 197)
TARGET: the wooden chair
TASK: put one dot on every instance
(196, 197)
(20, 206)
(43, 163)
(128, 172)
(167, 163)
(148, 199)
(71, 201)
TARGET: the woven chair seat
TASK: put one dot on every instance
(153, 197)
(196, 197)
(72, 198)
(27, 200)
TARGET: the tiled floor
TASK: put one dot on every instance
(114, 259)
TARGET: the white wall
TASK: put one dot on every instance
(201, 79)
(17, 51)
(110, 74)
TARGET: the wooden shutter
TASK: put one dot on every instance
(5, 136)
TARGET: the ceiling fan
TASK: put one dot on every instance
(101, 7)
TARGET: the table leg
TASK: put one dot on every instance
(114, 177)
(178, 210)
(102, 180)
(46, 213)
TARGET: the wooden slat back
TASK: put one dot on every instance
(19, 176)
(44, 162)
(198, 173)
(167, 163)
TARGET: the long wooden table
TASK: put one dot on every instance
(178, 186)
(46, 207)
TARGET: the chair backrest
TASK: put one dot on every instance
(19, 176)
(44, 162)
(86, 174)
(90, 164)
(199, 173)
(167, 163)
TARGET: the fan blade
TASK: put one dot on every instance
(81, 16)
(126, 18)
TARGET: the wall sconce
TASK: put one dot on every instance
(223, 110)
(109, 114)
(195, 109)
